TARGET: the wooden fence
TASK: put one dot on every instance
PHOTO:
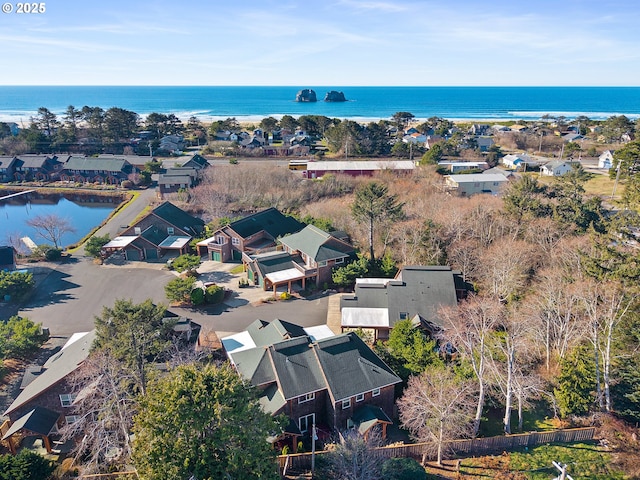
(475, 446)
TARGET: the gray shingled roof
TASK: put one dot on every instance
(317, 244)
(39, 420)
(344, 365)
(351, 367)
(56, 368)
(296, 367)
(417, 290)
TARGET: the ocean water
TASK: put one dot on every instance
(19, 103)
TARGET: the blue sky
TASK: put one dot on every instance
(316, 42)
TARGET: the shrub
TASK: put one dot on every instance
(214, 294)
(285, 296)
(19, 337)
(186, 262)
(126, 184)
(197, 296)
(403, 469)
(15, 284)
(25, 466)
(53, 254)
(94, 245)
(179, 289)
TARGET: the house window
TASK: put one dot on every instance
(305, 423)
(323, 263)
(66, 399)
(360, 397)
(404, 315)
(137, 230)
(69, 419)
(235, 241)
(170, 230)
(220, 240)
(375, 392)
(307, 398)
(346, 403)
(339, 260)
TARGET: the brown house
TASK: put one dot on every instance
(325, 381)
(252, 235)
(46, 398)
(166, 230)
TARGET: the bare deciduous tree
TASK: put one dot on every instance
(468, 327)
(436, 407)
(353, 458)
(51, 227)
(511, 347)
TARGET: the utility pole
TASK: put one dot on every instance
(313, 450)
(615, 184)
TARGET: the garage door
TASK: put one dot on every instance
(151, 254)
(216, 257)
(237, 255)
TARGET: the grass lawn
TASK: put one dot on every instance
(237, 269)
(538, 419)
(584, 460)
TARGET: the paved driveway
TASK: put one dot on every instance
(71, 294)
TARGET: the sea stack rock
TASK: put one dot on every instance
(334, 96)
(306, 95)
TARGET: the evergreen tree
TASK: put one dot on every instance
(576, 383)
(203, 422)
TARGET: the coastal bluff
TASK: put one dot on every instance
(334, 96)
(306, 95)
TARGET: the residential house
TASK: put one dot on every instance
(7, 168)
(166, 230)
(319, 250)
(558, 167)
(306, 256)
(252, 235)
(455, 167)
(471, 184)
(415, 293)
(172, 143)
(46, 399)
(605, 160)
(416, 138)
(36, 167)
(480, 129)
(357, 168)
(484, 143)
(175, 179)
(508, 174)
(8, 257)
(198, 162)
(111, 170)
(519, 160)
(315, 381)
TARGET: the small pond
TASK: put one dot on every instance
(82, 212)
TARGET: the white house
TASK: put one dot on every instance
(467, 185)
(519, 160)
(557, 168)
(605, 160)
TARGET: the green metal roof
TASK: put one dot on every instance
(179, 218)
(270, 220)
(265, 333)
(317, 244)
(92, 164)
